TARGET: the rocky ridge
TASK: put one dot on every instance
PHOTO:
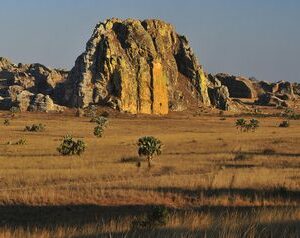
(30, 87)
(137, 67)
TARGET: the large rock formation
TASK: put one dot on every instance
(135, 66)
(28, 85)
(279, 94)
(239, 87)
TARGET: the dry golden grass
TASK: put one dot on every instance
(209, 193)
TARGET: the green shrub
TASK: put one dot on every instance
(244, 126)
(14, 109)
(284, 124)
(101, 124)
(253, 125)
(21, 141)
(100, 120)
(240, 123)
(149, 146)
(98, 131)
(69, 146)
(91, 111)
(35, 128)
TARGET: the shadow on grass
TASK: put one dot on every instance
(276, 193)
(260, 153)
(76, 216)
(29, 155)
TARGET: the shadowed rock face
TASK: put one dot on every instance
(239, 87)
(133, 66)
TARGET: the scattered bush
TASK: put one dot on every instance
(290, 114)
(240, 156)
(100, 120)
(269, 151)
(35, 128)
(101, 124)
(91, 111)
(240, 123)
(69, 146)
(149, 146)
(158, 216)
(98, 131)
(21, 141)
(6, 122)
(284, 124)
(254, 124)
(244, 126)
(14, 110)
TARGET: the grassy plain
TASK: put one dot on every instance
(215, 181)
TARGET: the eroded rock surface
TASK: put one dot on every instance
(133, 66)
(21, 84)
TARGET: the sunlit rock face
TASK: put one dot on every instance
(134, 66)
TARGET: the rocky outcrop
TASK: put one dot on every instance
(219, 97)
(133, 66)
(279, 94)
(218, 93)
(281, 87)
(26, 85)
(269, 99)
(238, 87)
(296, 88)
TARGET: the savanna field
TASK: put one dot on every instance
(211, 179)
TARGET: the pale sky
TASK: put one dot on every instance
(258, 38)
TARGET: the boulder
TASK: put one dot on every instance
(213, 81)
(41, 103)
(14, 91)
(23, 100)
(285, 88)
(133, 66)
(30, 86)
(296, 88)
(269, 99)
(219, 97)
(239, 87)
